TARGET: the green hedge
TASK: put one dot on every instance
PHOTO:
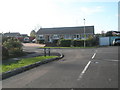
(64, 42)
(41, 41)
(88, 43)
(76, 43)
(55, 41)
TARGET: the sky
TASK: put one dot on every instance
(23, 16)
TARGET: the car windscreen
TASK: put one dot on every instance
(117, 39)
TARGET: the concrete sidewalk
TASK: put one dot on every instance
(33, 44)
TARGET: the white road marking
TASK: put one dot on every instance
(110, 60)
(86, 67)
(84, 70)
(94, 54)
(114, 60)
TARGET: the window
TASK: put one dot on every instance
(41, 37)
(67, 36)
(76, 36)
(55, 36)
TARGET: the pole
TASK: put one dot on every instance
(49, 51)
(45, 52)
(84, 32)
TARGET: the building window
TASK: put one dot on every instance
(41, 37)
(67, 36)
(55, 36)
(76, 36)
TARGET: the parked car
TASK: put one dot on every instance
(26, 40)
(116, 42)
(34, 40)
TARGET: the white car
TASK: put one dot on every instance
(116, 42)
(34, 40)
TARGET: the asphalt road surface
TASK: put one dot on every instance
(80, 68)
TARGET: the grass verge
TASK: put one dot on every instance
(23, 62)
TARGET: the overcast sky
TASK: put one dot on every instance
(25, 15)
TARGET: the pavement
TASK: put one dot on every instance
(80, 68)
(33, 44)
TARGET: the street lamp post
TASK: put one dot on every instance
(84, 32)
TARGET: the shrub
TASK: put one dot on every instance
(78, 43)
(5, 39)
(15, 52)
(5, 53)
(64, 42)
(88, 43)
(14, 46)
(93, 41)
(41, 41)
(55, 41)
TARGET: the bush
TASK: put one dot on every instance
(64, 42)
(41, 41)
(15, 52)
(14, 46)
(5, 39)
(5, 53)
(92, 41)
(78, 43)
(89, 42)
(55, 41)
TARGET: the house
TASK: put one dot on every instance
(21, 37)
(11, 34)
(51, 34)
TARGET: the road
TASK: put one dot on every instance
(80, 68)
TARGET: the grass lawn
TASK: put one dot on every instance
(23, 62)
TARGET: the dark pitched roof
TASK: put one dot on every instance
(13, 34)
(66, 30)
(24, 35)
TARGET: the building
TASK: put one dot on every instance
(21, 37)
(11, 34)
(51, 34)
(113, 33)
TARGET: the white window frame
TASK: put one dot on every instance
(41, 37)
(55, 36)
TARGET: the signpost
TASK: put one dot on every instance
(46, 51)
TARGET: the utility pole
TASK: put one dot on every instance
(84, 32)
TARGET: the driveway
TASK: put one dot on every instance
(80, 68)
(33, 45)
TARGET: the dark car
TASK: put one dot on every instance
(116, 42)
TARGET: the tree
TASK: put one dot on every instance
(109, 33)
(32, 33)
